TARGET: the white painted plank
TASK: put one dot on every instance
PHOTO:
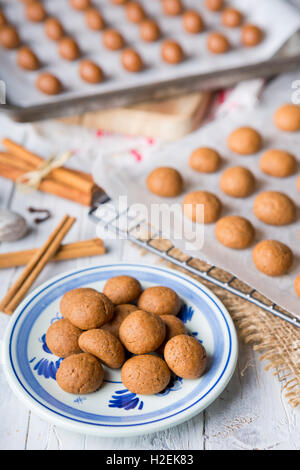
(250, 413)
(13, 418)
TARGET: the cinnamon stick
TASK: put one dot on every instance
(8, 159)
(82, 249)
(13, 160)
(19, 289)
(62, 175)
(48, 185)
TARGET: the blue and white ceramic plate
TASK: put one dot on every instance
(114, 411)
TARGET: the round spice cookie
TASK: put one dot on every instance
(272, 257)
(112, 39)
(90, 72)
(121, 312)
(192, 22)
(237, 181)
(80, 374)
(160, 300)
(234, 232)
(172, 52)
(54, 29)
(135, 13)
(185, 356)
(205, 160)
(9, 37)
(244, 141)
(172, 7)
(193, 203)
(287, 118)
(278, 163)
(80, 4)
(149, 30)
(35, 11)
(274, 208)
(27, 59)
(251, 35)
(142, 332)
(94, 19)
(62, 338)
(3, 19)
(214, 5)
(165, 182)
(122, 289)
(297, 285)
(131, 60)
(103, 345)
(174, 327)
(48, 84)
(217, 43)
(231, 17)
(68, 48)
(145, 375)
(86, 308)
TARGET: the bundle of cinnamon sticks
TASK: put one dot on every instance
(67, 183)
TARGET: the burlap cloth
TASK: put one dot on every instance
(277, 340)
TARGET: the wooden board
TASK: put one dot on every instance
(168, 119)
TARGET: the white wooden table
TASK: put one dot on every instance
(250, 414)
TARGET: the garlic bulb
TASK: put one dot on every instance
(12, 226)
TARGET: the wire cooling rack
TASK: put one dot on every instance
(124, 224)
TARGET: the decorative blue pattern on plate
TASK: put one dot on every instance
(186, 313)
(174, 385)
(112, 412)
(125, 399)
(46, 366)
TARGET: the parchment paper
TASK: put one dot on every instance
(278, 19)
(118, 176)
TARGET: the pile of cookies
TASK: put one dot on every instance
(105, 328)
(273, 208)
(134, 13)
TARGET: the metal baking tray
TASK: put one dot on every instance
(158, 81)
(155, 91)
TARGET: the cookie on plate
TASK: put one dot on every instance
(62, 338)
(145, 374)
(185, 356)
(142, 332)
(174, 327)
(80, 374)
(160, 300)
(122, 289)
(121, 312)
(86, 308)
(103, 345)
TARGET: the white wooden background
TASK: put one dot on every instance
(250, 414)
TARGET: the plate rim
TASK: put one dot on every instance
(102, 430)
